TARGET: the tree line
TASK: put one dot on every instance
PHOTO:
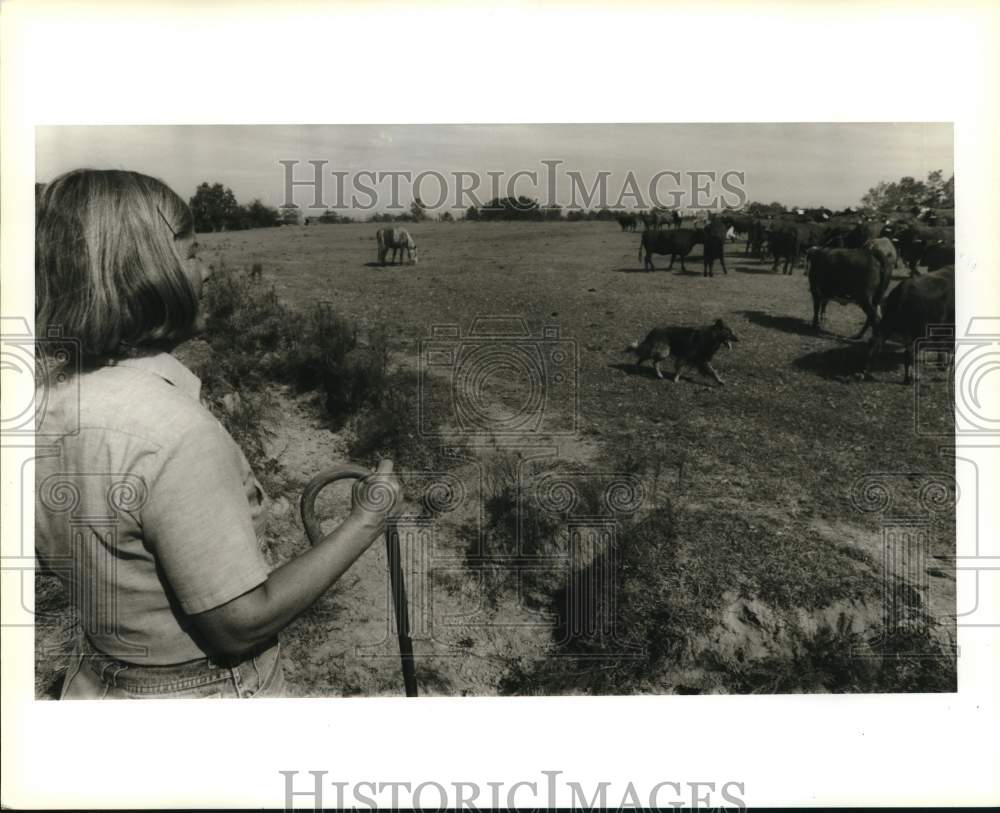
(215, 207)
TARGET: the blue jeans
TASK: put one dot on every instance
(93, 675)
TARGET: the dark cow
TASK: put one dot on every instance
(676, 243)
(756, 238)
(853, 235)
(715, 242)
(783, 242)
(910, 309)
(741, 223)
(914, 240)
(938, 255)
(676, 218)
(651, 221)
(847, 275)
(628, 222)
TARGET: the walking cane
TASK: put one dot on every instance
(397, 586)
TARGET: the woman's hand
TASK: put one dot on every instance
(377, 497)
(257, 616)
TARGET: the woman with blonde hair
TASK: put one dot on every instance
(145, 506)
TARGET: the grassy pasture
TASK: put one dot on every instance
(767, 544)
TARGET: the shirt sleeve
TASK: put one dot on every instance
(198, 523)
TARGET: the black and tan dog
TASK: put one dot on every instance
(689, 347)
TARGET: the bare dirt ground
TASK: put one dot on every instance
(767, 473)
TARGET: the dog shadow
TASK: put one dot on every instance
(647, 371)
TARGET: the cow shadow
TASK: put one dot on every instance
(786, 324)
(752, 266)
(846, 361)
(632, 270)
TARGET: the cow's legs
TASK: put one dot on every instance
(874, 348)
(870, 321)
(648, 264)
(722, 261)
(907, 362)
(678, 366)
(817, 311)
(659, 372)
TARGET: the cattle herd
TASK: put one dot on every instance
(848, 257)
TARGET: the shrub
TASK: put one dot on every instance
(392, 428)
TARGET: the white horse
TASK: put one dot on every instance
(398, 240)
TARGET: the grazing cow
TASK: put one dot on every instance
(628, 222)
(676, 243)
(651, 221)
(910, 309)
(398, 240)
(847, 275)
(715, 242)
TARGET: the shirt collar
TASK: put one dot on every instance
(169, 369)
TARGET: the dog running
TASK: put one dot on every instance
(689, 347)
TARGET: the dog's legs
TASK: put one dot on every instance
(709, 370)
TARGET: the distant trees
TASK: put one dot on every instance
(214, 208)
(290, 215)
(908, 193)
(418, 212)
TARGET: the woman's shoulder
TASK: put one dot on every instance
(137, 402)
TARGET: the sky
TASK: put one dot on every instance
(796, 164)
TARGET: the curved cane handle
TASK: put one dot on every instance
(307, 505)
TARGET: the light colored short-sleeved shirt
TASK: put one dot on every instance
(145, 507)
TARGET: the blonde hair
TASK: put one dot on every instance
(107, 272)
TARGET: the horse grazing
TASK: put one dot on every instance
(398, 240)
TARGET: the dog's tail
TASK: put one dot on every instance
(633, 347)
